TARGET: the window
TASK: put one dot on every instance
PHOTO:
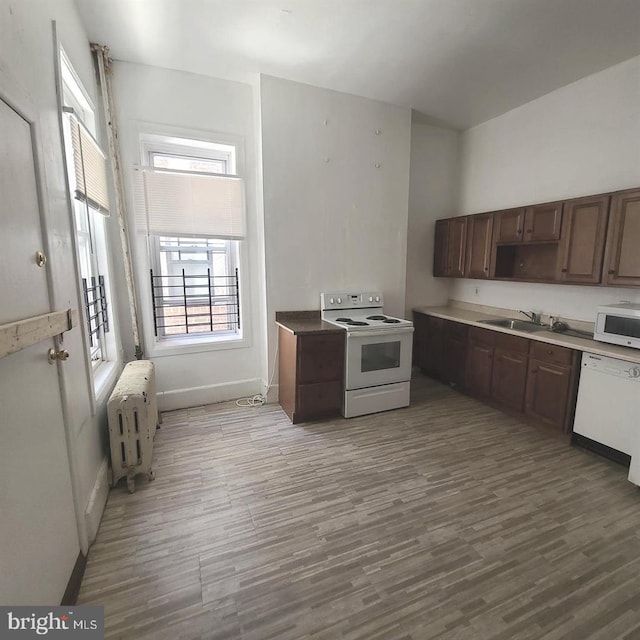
(87, 183)
(193, 214)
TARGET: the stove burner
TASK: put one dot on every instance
(391, 320)
(357, 323)
(344, 320)
(376, 317)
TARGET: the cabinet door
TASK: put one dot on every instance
(548, 392)
(509, 378)
(320, 358)
(440, 248)
(623, 240)
(478, 369)
(430, 358)
(509, 225)
(420, 328)
(456, 252)
(455, 354)
(584, 227)
(543, 222)
(479, 236)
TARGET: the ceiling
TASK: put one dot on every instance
(455, 62)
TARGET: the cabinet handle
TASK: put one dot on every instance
(550, 351)
(564, 271)
(519, 231)
(612, 271)
(486, 268)
(534, 370)
(529, 230)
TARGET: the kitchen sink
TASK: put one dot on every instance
(516, 324)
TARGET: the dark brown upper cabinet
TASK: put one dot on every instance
(456, 250)
(623, 240)
(542, 222)
(537, 223)
(509, 225)
(479, 236)
(449, 252)
(584, 228)
(440, 248)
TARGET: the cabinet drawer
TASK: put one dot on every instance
(456, 331)
(507, 342)
(482, 336)
(318, 399)
(550, 353)
(320, 358)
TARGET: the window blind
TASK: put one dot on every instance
(187, 204)
(90, 168)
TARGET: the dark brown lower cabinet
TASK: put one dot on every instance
(552, 385)
(513, 372)
(509, 378)
(429, 351)
(311, 370)
(455, 353)
(480, 349)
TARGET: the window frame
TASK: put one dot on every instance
(169, 140)
(72, 93)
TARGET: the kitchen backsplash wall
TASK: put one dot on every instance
(566, 301)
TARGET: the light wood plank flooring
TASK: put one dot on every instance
(445, 520)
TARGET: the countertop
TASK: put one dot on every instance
(305, 323)
(474, 318)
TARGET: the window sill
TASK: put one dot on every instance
(181, 346)
(104, 379)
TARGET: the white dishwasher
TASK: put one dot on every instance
(608, 409)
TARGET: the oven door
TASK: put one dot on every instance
(378, 357)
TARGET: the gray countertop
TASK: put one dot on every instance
(305, 323)
(475, 318)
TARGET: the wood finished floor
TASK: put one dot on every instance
(445, 520)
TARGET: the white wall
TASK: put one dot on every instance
(580, 140)
(433, 194)
(333, 221)
(27, 66)
(173, 102)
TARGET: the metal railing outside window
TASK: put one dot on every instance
(186, 304)
(95, 304)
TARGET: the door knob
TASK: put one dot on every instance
(53, 355)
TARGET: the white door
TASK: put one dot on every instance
(38, 535)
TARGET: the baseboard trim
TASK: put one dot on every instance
(97, 501)
(273, 394)
(72, 591)
(208, 394)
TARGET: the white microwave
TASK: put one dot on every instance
(618, 324)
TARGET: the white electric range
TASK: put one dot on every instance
(377, 353)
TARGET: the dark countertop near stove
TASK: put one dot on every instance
(304, 323)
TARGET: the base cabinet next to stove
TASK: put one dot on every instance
(311, 374)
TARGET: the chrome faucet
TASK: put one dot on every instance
(532, 315)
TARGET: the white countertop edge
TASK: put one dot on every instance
(473, 318)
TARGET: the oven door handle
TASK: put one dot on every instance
(380, 334)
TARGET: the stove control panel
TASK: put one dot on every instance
(351, 300)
